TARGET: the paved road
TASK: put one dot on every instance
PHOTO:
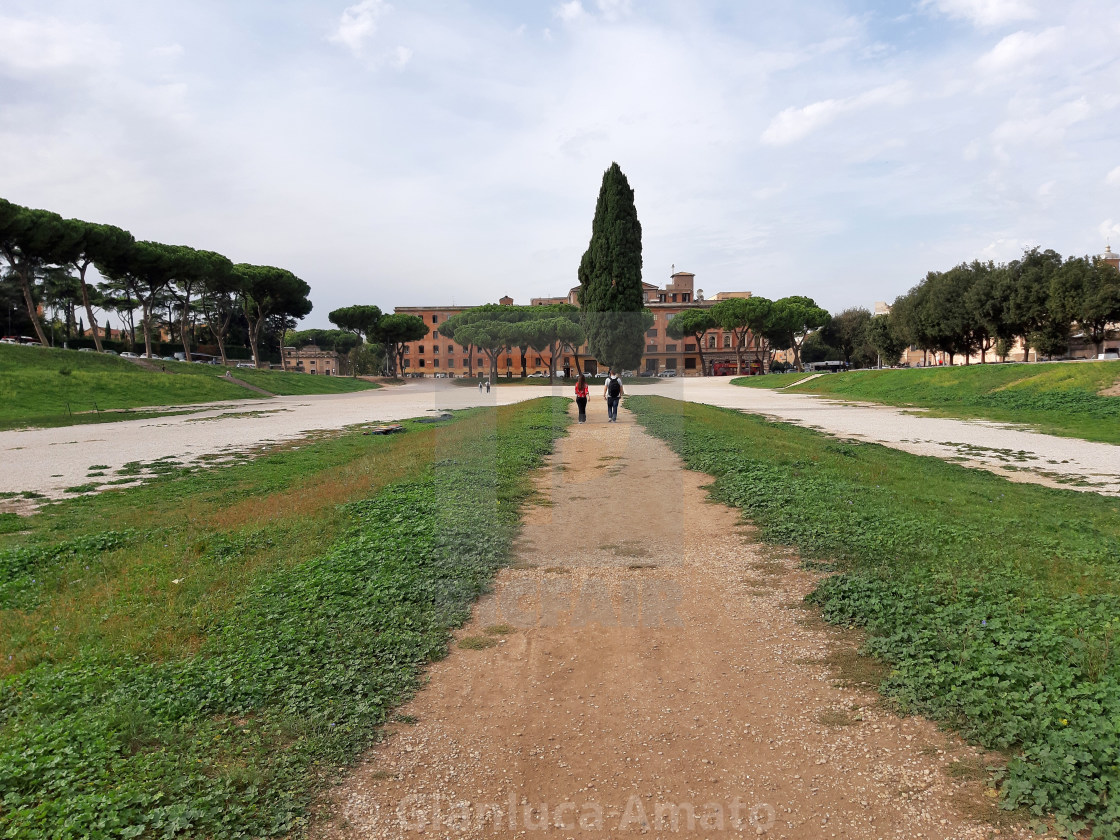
(48, 461)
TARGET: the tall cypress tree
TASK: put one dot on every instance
(610, 276)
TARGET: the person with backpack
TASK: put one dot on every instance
(613, 393)
(581, 398)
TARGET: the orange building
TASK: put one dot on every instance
(435, 355)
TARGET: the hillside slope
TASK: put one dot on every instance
(1060, 398)
(52, 387)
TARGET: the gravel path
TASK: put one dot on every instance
(655, 676)
(48, 461)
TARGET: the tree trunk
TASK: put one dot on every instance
(700, 350)
(89, 307)
(185, 334)
(25, 284)
(146, 318)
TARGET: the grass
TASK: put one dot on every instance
(996, 606)
(1060, 398)
(52, 387)
(207, 664)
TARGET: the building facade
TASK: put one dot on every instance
(436, 355)
(310, 359)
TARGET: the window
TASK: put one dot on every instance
(651, 364)
(690, 348)
(450, 348)
(435, 363)
(670, 348)
(651, 333)
(726, 339)
(435, 319)
(407, 349)
(686, 297)
(671, 364)
(711, 342)
(435, 348)
(651, 348)
(539, 362)
(421, 363)
(690, 363)
(421, 348)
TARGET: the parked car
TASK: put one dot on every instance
(85, 350)
(646, 373)
(9, 339)
(127, 355)
(441, 376)
(110, 352)
(538, 375)
(1109, 355)
(246, 365)
(666, 374)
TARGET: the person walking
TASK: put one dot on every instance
(612, 391)
(581, 398)
(487, 386)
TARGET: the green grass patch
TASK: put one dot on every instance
(1060, 398)
(203, 668)
(51, 387)
(996, 605)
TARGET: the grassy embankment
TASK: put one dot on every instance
(1059, 398)
(50, 387)
(203, 666)
(996, 605)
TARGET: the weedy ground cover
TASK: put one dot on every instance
(1060, 398)
(51, 387)
(996, 605)
(196, 656)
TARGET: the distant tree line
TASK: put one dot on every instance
(46, 260)
(983, 308)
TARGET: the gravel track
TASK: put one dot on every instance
(48, 461)
(653, 675)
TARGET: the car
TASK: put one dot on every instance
(9, 339)
(246, 365)
(441, 376)
(646, 373)
(169, 359)
(1109, 355)
(538, 375)
(110, 352)
(127, 355)
(86, 350)
(667, 374)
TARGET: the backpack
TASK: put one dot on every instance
(614, 387)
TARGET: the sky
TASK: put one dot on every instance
(444, 152)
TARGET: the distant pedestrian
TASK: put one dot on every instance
(612, 391)
(581, 398)
(487, 386)
(480, 386)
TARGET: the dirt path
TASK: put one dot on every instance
(654, 675)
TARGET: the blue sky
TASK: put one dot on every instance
(444, 151)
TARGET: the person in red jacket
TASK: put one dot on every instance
(581, 398)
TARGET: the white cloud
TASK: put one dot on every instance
(614, 9)
(571, 11)
(1109, 230)
(359, 23)
(29, 47)
(1113, 177)
(400, 57)
(1020, 49)
(985, 13)
(1032, 127)
(794, 124)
